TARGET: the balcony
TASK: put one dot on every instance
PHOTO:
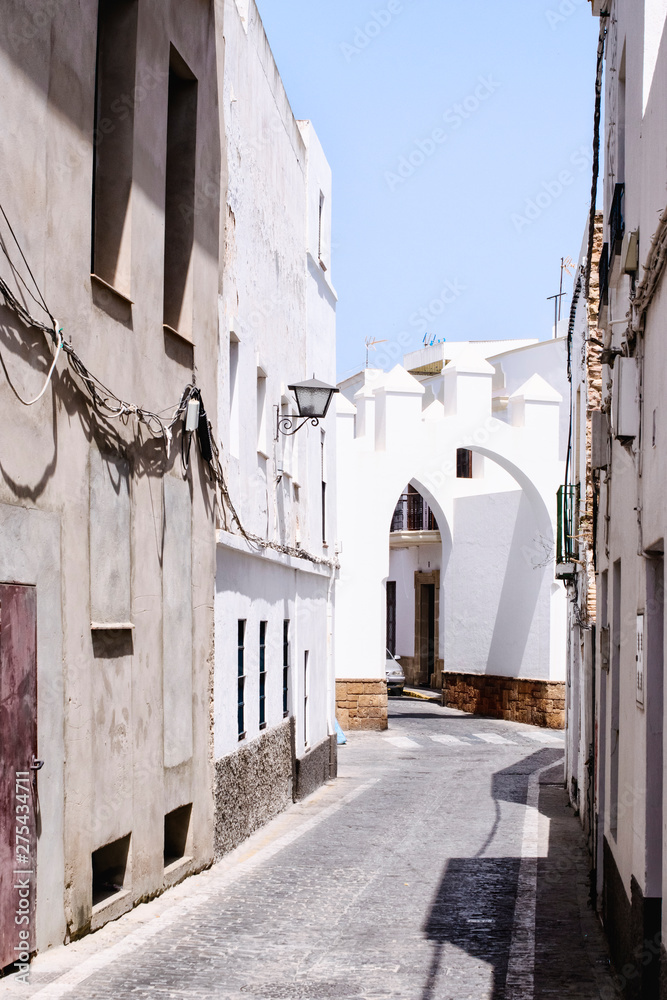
(413, 514)
(616, 221)
(567, 542)
(413, 522)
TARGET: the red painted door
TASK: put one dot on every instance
(18, 790)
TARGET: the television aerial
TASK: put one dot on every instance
(371, 343)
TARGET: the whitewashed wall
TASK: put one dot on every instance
(277, 326)
(502, 612)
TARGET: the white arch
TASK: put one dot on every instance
(398, 443)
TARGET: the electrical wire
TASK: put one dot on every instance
(31, 402)
(113, 407)
(596, 148)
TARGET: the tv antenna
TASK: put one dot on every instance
(566, 264)
(371, 344)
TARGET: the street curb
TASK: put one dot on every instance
(431, 696)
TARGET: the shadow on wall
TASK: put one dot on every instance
(520, 595)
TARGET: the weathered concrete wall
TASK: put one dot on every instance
(252, 786)
(101, 709)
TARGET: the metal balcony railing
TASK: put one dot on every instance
(567, 545)
(413, 514)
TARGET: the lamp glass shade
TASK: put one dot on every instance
(313, 398)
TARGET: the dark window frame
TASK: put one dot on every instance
(263, 626)
(286, 666)
(464, 463)
(241, 678)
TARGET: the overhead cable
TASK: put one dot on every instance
(113, 407)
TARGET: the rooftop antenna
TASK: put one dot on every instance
(566, 264)
(371, 344)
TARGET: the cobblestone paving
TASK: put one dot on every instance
(397, 881)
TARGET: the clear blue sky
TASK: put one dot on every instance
(442, 121)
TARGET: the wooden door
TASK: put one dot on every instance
(427, 633)
(18, 750)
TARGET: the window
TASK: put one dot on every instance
(463, 463)
(179, 205)
(234, 423)
(306, 685)
(324, 493)
(262, 446)
(320, 240)
(286, 657)
(109, 864)
(241, 679)
(391, 616)
(176, 826)
(113, 141)
(262, 675)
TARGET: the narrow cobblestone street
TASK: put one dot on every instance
(398, 880)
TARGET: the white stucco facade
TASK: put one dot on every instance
(630, 474)
(501, 611)
(277, 326)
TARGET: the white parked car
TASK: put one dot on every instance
(395, 675)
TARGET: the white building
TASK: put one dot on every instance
(274, 680)
(631, 449)
(455, 460)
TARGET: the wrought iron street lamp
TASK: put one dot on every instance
(313, 399)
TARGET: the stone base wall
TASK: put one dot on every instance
(361, 704)
(252, 786)
(317, 766)
(538, 703)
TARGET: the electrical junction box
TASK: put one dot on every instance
(192, 416)
(630, 252)
(599, 439)
(625, 398)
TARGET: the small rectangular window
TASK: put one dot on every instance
(179, 207)
(463, 463)
(262, 446)
(113, 142)
(324, 492)
(306, 686)
(176, 827)
(262, 675)
(241, 678)
(109, 865)
(319, 227)
(286, 658)
(234, 421)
